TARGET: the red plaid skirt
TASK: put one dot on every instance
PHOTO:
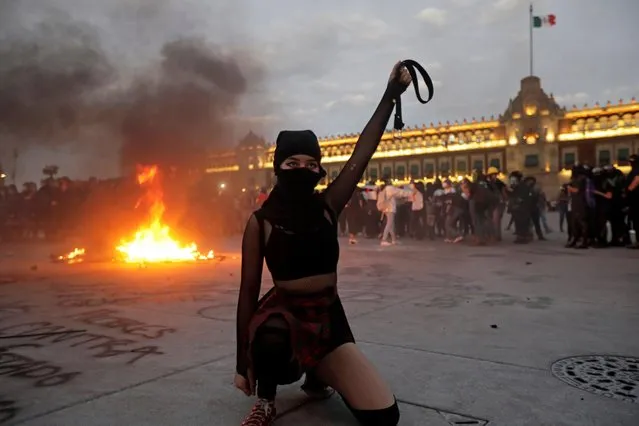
(317, 323)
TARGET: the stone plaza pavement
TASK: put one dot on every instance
(465, 336)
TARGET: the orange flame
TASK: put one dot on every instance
(76, 256)
(153, 242)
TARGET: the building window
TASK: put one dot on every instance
(334, 174)
(400, 172)
(461, 167)
(494, 162)
(531, 160)
(372, 173)
(429, 169)
(386, 173)
(444, 167)
(569, 160)
(414, 170)
(623, 154)
(604, 157)
(478, 165)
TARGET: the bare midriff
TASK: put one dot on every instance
(312, 284)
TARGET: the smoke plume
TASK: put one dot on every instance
(47, 78)
(61, 84)
(186, 110)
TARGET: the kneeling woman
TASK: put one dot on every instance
(299, 326)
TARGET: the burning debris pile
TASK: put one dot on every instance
(74, 79)
(152, 242)
(75, 256)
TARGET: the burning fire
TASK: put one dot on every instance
(153, 242)
(75, 256)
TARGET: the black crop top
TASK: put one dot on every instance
(291, 256)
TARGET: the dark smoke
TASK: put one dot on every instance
(187, 110)
(58, 86)
(47, 78)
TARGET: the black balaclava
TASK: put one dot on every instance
(293, 203)
(297, 183)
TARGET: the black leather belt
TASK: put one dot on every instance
(413, 67)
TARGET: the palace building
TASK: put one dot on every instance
(534, 135)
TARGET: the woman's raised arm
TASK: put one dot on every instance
(341, 189)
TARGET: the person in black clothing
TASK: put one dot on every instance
(603, 194)
(299, 326)
(632, 197)
(481, 203)
(498, 189)
(354, 213)
(520, 199)
(429, 211)
(535, 210)
(620, 236)
(453, 209)
(579, 208)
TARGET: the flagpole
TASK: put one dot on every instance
(530, 22)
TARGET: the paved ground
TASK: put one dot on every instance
(464, 335)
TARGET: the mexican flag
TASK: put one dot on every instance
(544, 21)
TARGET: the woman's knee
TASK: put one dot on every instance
(388, 416)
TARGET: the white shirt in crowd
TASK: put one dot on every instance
(392, 193)
(418, 201)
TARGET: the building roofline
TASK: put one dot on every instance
(598, 110)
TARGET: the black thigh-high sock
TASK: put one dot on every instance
(271, 358)
(388, 416)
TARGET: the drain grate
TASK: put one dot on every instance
(607, 375)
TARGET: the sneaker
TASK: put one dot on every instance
(262, 414)
(385, 243)
(458, 239)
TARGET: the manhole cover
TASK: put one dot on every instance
(612, 376)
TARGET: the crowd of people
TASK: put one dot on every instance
(597, 208)
(104, 211)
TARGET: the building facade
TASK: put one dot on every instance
(534, 135)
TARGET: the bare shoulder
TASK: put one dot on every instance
(253, 228)
(257, 228)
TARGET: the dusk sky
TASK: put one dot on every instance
(324, 65)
